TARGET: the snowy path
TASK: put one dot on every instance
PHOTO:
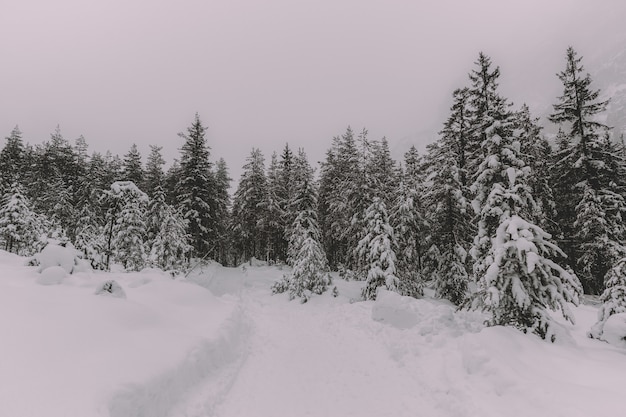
(398, 357)
(316, 360)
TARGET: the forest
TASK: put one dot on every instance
(494, 216)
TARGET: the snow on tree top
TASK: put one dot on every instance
(119, 187)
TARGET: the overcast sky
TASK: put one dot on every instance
(265, 72)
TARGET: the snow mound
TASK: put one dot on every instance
(615, 330)
(52, 275)
(55, 254)
(426, 317)
(395, 310)
(111, 288)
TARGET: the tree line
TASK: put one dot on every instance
(531, 222)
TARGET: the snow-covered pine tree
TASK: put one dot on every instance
(338, 181)
(485, 105)
(537, 154)
(310, 272)
(376, 251)
(272, 222)
(170, 246)
(222, 211)
(20, 227)
(613, 298)
(195, 188)
(125, 229)
(449, 220)
(11, 160)
(154, 176)
(407, 222)
(249, 239)
(301, 173)
(598, 233)
(90, 239)
(589, 172)
(133, 170)
(129, 238)
(517, 279)
(155, 214)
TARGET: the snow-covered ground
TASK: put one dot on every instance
(219, 344)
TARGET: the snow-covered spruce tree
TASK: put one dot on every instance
(589, 171)
(20, 226)
(133, 170)
(450, 222)
(90, 239)
(446, 198)
(11, 160)
(125, 228)
(339, 179)
(613, 298)
(272, 222)
(222, 212)
(195, 188)
(407, 221)
(154, 176)
(310, 272)
(538, 155)
(517, 279)
(375, 250)
(248, 210)
(170, 246)
(599, 232)
(129, 232)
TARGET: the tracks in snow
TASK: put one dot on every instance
(208, 370)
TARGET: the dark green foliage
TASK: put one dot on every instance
(195, 189)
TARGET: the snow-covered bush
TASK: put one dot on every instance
(59, 254)
(52, 275)
(111, 288)
(614, 331)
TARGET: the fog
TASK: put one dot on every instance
(263, 73)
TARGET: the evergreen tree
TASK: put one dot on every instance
(90, 239)
(125, 229)
(196, 187)
(132, 166)
(613, 298)
(375, 250)
(449, 220)
(129, 241)
(154, 176)
(222, 210)
(170, 244)
(517, 280)
(589, 176)
(248, 211)
(20, 227)
(275, 213)
(537, 154)
(310, 267)
(407, 225)
(11, 160)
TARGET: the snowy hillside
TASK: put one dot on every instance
(219, 344)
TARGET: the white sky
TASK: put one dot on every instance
(264, 72)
